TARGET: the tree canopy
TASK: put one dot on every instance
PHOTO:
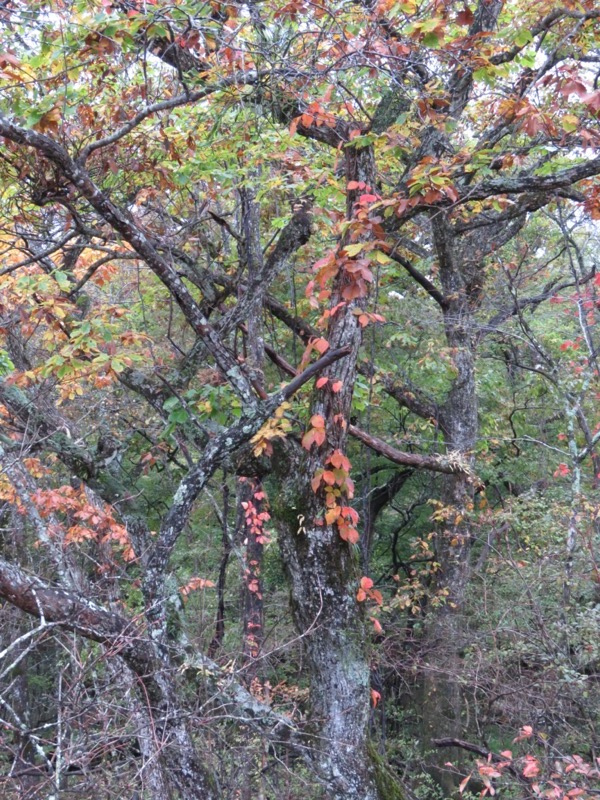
(298, 399)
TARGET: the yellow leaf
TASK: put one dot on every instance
(50, 121)
(381, 258)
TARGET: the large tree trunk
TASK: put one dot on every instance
(445, 640)
(250, 505)
(323, 568)
(323, 577)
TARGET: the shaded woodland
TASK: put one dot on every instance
(299, 381)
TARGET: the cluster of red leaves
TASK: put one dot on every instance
(367, 592)
(356, 277)
(83, 520)
(562, 471)
(563, 779)
(194, 584)
(592, 200)
(256, 518)
(316, 434)
(335, 481)
(315, 114)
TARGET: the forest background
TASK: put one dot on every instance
(299, 382)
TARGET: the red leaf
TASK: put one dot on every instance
(401, 207)
(309, 439)
(349, 513)
(338, 460)
(320, 345)
(561, 472)
(377, 596)
(525, 732)
(376, 625)
(319, 437)
(592, 101)
(465, 17)
(531, 768)
(348, 534)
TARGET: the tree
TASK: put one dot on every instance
(152, 153)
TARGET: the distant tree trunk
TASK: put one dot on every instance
(442, 702)
(253, 607)
(219, 634)
(251, 505)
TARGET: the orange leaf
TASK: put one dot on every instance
(377, 596)
(308, 439)
(350, 513)
(332, 515)
(319, 437)
(376, 625)
(338, 460)
(348, 534)
(320, 345)
(525, 732)
(531, 768)
(316, 480)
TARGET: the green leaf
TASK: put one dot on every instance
(179, 415)
(431, 40)
(62, 279)
(171, 403)
(6, 365)
(523, 37)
